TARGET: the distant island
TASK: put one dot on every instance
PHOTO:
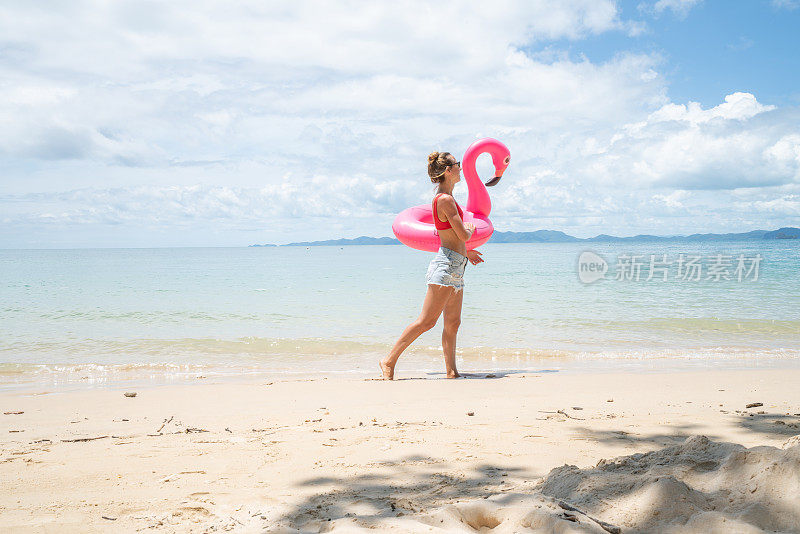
(555, 236)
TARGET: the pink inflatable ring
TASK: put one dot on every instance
(414, 226)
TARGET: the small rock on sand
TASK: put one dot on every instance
(754, 405)
(130, 393)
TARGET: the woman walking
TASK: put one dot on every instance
(445, 276)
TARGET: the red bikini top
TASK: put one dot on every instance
(446, 224)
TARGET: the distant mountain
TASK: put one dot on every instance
(539, 236)
(783, 233)
(755, 234)
(555, 236)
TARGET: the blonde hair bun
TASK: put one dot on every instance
(437, 163)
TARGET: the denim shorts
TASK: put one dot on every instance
(447, 269)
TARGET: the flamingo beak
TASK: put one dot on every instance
(493, 181)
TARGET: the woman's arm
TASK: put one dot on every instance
(463, 231)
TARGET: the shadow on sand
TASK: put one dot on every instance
(691, 483)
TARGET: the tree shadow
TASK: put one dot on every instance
(372, 498)
(773, 425)
(700, 483)
(677, 434)
(697, 482)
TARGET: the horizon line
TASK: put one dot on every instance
(295, 243)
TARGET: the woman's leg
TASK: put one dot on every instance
(452, 320)
(435, 299)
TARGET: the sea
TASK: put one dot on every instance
(113, 317)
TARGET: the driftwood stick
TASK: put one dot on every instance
(164, 424)
(562, 412)
(608, 527)
(82, 439)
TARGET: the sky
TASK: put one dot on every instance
(152, 124)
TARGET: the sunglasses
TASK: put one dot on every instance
(456, 163)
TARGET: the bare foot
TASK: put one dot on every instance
(453, 374)
(386, 370)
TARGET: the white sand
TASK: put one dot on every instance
(346, 454)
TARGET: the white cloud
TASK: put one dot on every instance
(254, 115)
(153, 84)
(786, 4)
(738, 106)
(789, 205)
(743, 43)
(358, 197)
(785, 153)
(672, 200)
(349, 36)
(735, 144)
(680, 8)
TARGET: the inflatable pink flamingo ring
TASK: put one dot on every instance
(414, 226)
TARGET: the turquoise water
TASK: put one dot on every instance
(105, 314)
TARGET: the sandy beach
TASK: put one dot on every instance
(220, 221)
(528, 452)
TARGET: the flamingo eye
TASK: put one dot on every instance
(505, 161)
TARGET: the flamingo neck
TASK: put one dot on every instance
(478, 201)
